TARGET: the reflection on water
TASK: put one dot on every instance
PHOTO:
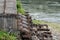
(44, 10)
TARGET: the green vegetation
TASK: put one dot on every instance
(19, 7)
(37, 22)
(6, 36)
(55, 26)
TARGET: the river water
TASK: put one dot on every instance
(46, 17)
(47, 11)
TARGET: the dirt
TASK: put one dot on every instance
(55, 34)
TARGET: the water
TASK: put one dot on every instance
(45, 10)
(46, 17)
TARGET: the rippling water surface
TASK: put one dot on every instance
(47, 11)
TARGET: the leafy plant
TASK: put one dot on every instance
(6, 36)
(19, 7)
